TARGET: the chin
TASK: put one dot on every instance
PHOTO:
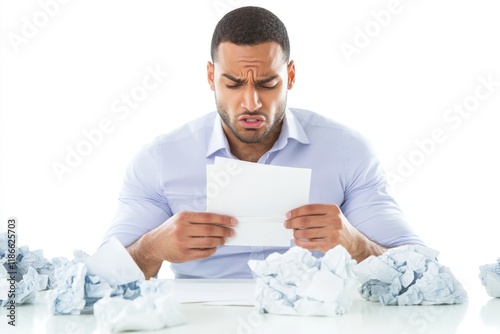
(250, 139)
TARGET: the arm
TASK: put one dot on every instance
(367, 222)
(186, 236)
(143, 253)
(324, 226)
(144, 222)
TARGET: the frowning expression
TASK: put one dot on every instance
(250, 84)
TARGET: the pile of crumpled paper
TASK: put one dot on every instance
(76, 290)
(155, 308)
(33, 273)
(297, 283)
(111, 284)
(108, 283)
(408, 275)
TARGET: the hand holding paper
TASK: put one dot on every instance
(320, 227)
(185, 236)
(259, 196)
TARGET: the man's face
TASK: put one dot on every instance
(250, 85)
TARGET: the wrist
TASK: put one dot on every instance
(144, 255)
(362, 247)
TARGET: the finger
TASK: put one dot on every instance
(312, 210)
(310, 233)
(305, 222)
(207, 218)
(209, 230)
(205, 242)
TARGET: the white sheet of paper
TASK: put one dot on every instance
(215, 292)
(259, 196)
(113, 263)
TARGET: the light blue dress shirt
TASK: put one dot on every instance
(169, 175)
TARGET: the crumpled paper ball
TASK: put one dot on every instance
(31, 273)
(297, 283)
(76, 291)
(489, 274)
(408, 275)
(68, 295)
(154, 309)
(25, 289)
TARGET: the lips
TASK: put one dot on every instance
(251, 121)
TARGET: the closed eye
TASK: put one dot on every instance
(233, 86)
(268, 87)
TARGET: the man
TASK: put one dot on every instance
(161, 214)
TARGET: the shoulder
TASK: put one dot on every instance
(199, 127)
(319, 127)
(193, 135)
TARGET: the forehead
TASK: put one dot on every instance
(264, 56)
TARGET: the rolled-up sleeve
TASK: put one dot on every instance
(141, 203)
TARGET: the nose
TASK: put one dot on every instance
(251, 100)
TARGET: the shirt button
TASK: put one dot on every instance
(257, 253)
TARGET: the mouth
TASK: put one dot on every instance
(251, 121)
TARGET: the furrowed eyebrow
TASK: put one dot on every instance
(230, 77)
(259, 82)
(266, 80)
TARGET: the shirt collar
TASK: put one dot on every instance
(291, 129)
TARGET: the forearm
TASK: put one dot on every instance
(361, 247)
(142, 251)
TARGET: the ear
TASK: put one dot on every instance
(210, 75)
(291, 74)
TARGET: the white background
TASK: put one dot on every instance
(64, 79)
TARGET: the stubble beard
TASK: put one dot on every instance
(251, 136)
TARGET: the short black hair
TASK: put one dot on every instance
(250, 25)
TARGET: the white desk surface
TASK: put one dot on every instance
(478, 316)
